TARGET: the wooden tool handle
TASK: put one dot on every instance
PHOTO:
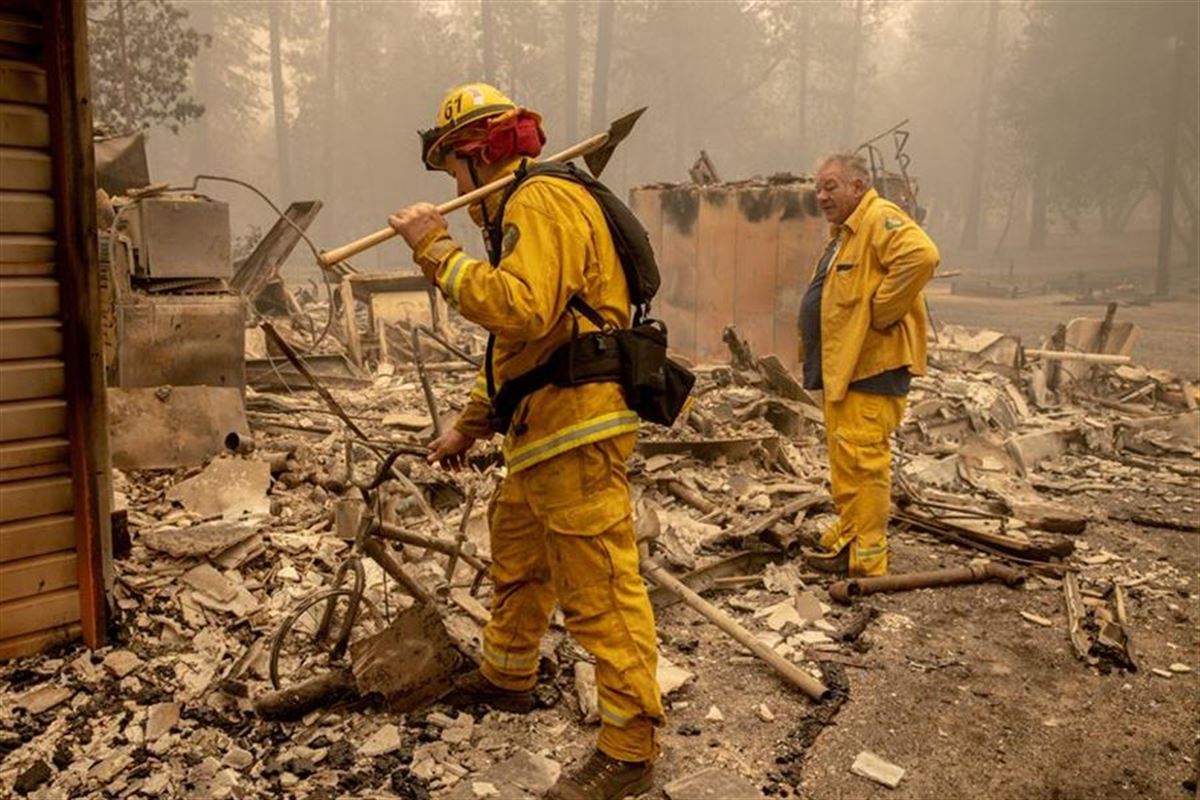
(796, 676)
(330, 257)
(339, 254)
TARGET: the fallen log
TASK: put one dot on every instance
(296, 701)
(1039, 547)
(856, 625)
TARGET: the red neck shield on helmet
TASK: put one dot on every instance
(503, 138)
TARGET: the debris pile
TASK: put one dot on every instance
(1003, 470)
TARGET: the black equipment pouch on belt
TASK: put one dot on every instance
(655, 387)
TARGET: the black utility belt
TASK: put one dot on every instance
(589, 358)
(654, 386)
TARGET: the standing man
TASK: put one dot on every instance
(862, 337)
(560, 523)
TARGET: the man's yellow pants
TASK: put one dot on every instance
(563, 529)
(858, 431)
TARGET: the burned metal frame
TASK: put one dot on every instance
(263, 262)
(369, 541)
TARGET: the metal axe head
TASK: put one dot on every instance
(597, 160)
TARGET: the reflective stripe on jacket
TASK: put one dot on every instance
(556, 244)
(873, 315)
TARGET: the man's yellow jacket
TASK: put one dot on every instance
(873, 315)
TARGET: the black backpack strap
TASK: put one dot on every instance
(495, 235)
(577, 303)
(496, 229)
(488, 371)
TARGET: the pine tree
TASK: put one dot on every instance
(141, 53)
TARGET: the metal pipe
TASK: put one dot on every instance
(473, 361)
(240, 443)
(846, 591)
(302, 368)
(398, 534)
(379, 554)
(461, 537)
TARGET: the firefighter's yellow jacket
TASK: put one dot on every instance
(873, 315)
(556, 244)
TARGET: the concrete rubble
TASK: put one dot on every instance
(222, 555)
(872, 767)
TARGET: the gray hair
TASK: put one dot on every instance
(852, 164)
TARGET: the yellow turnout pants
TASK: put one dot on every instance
(858, 431)
(563, 529)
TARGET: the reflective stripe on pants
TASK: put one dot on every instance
(563, 530)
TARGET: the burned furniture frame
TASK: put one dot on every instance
(390, 298)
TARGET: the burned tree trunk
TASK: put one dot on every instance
(970, 235)
(1166, 218)
(296, 701)
(802, 88)
(202, 81)
(571, 54)
(126, 73)
(851, 102)
(604, 29)
(1041, 187)
(488, 41)
(282, 151)
(331, 99)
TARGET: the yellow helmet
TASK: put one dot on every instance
(463, 106)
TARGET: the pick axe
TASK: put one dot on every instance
(596, 151)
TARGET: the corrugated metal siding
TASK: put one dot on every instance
(39, 596)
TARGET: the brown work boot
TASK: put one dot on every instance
(603, 777)
(473, 689)
(823, 560)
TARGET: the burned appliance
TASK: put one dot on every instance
(170, 317)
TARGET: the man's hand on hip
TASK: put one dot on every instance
(415, 222)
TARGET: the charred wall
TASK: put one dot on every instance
(732, 253)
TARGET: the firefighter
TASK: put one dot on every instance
(560, 522)
(862, 337)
